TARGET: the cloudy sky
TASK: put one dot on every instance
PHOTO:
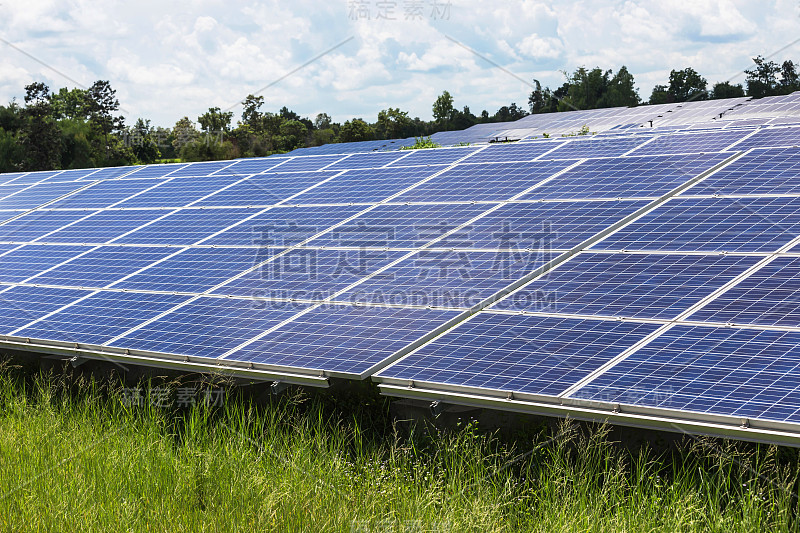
(170, 59)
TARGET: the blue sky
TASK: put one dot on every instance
(174, 59)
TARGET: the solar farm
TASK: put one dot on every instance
(646, 275)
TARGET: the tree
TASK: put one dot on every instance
(144, 146)
(789, 77)
(394, 124)
(215, 120)
(724, 89)
(687, 85)
(762, 80)
(40, 135)
(620, 90)
(443, 110)
(70, 104)
(355, 130)
(251, 114)
(660, 95)
(322, 121)
(184, 133)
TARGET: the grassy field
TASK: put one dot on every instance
(75, 454)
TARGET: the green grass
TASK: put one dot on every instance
(74, 457)
(421, 143)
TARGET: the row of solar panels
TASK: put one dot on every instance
(592, 255)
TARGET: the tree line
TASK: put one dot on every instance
(82, 128)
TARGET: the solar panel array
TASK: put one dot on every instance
(647, 278)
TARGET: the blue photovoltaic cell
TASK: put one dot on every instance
(307, 274)
(39, 194)
(20, 264)
(504, 152)
(178, 192)
(8, 190)
(99, 267)
(771, 137)
(284, 226)
(21, 305)
(366, 185)
(101, 317)
(73, 175)
(712, 224)
(101, 226)
(542, 226)
(9, 214)
(599, 147)
(265, 189)
(186, 226)
(209, 327)
(36, 177)
(687, 143)
(536, 355)
(309, 163)
(631, 285)
(110, 173)
(433, 157)
(104, 194)
(739, 372)
(368, 160)
(154, 171)
(400, 226)
(11, 176)
(446, 279)
(484, 182)
(204, 168)
(343, 339)
(245, 167)
(768, 297)
(194, 270)
(34, 225)
(775, 171)
(625, 177)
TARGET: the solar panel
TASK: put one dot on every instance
(21, 263)
(744, 373)
(36, 225)
(712, 225)
(309, 163)
(399, 226)
(772, 171)
(246, 167)
(771, 137)
(370, 160)
(307, 274)
(365, 186)
(528, 354)
(505, 152)
(36, 177)
(178, 192)
(22, 305)
(154, 171)
(625, 177)
(263, 189)
(445, 279)
(208, 327)
(204, 168)
(482, 182)
(98, 267)
(36, 195)
(98, 227)
(100, 317)
(768, 297)
(442, 156)
(596, 147)
(629, 285)
(685, 143)
(342, 339)
(192, 270)
(104, 194)
(283, 226)
(543, 225)
(184, 226)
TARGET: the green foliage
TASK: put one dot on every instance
(422, 143)
(215, 120)
(586, 89)
(75, 457)
(687, 85)
(443, 110)
(393, 124)
(770, 79)
(726, 90)
(355, 130)
(583, 131)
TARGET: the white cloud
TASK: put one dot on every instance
(537, 47)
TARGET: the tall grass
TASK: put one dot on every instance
(75, 457)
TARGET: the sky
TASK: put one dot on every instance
(353, 58)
